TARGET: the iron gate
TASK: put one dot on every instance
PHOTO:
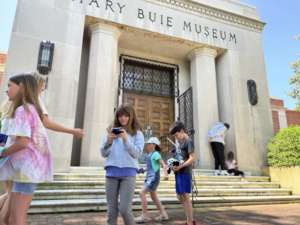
(185, 102)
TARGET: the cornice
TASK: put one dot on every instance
(164, 37)
(212, 13)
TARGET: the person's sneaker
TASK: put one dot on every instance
(224, 173)
(244, 180)
(194, 223)
(217, 172)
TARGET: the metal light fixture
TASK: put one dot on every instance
(252, 92)
(45, 57)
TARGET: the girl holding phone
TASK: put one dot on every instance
(122, 152)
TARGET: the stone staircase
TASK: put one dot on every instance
(83, 189)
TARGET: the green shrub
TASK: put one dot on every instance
(284, 148)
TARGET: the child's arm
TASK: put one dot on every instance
(59, 128)
(20, 144)
(190, 161)
(106, 142)
(165, 169)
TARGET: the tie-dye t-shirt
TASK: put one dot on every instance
(34, 163)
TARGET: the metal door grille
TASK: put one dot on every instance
(148, 77)
(185, 102)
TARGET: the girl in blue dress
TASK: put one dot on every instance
(152, 180)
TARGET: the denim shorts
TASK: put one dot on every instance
(24, 188)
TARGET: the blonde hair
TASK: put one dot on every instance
(28, 94)
(5, 107)
(133, 124)
(41, 80)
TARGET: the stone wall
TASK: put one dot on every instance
(287, 176)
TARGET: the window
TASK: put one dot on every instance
(150, 77)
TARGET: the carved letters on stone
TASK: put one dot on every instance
(169, 21)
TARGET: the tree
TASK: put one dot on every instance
(295, 79)
(284, 148)
(297, 108)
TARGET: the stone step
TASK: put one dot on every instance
(100, 170)
(89, 176)
(62, 185)
(58, 206)
(162, 193)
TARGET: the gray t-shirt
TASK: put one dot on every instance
(186, 147)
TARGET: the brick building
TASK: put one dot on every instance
(282, 117)
(2, 63)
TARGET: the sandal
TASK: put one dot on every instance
(161, 218)
(140, 219)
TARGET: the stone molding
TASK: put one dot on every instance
(3, 52)
(104, 28)
(154, 35)
(202, 51)
(211, 13)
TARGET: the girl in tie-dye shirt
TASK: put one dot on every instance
(29, 157)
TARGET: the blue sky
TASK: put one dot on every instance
(283, 23)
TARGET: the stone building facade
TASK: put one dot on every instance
(105, 52)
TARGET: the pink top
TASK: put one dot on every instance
(34, 163)
(230, 165)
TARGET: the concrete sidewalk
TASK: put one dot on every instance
(254, 214)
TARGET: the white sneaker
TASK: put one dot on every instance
(224, 173)
(244, 180)
(217, 172)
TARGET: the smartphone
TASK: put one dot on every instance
(2, 138)
(117, 130)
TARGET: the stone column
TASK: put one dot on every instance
(101, 91)
(205, 102)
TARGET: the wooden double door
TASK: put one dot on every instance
(156, 112)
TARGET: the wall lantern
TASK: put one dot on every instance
(252, 92)
(45, 57)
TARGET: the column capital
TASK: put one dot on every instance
(202, 51)
(104, 28)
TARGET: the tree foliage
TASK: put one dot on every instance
(295, 79)
(284, 148)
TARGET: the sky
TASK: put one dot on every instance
(283, 23)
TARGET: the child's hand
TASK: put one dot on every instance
(110, 134)
(175, 168)
(122, 135)
(78, 133)
(208, 139)
(166, 177)
(236, 165)
(172, 153)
